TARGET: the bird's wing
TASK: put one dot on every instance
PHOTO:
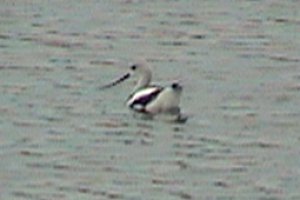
(143, 97)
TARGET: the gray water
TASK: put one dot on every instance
(63, 138)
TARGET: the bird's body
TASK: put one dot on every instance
(149, 99)
(139, 100)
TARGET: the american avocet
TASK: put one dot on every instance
(152, 100)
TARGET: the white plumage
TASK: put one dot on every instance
(166, 102)
(152, 100)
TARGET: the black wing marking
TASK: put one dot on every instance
(141, 100)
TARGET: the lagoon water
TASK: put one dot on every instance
(63, 138)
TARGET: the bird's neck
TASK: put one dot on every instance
(143, 82)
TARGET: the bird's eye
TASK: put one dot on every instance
(133, 67)
(175, 85)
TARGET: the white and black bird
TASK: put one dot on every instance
(152, 100)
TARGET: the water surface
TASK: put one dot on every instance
(62, 138)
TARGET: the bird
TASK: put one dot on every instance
(151, 100)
